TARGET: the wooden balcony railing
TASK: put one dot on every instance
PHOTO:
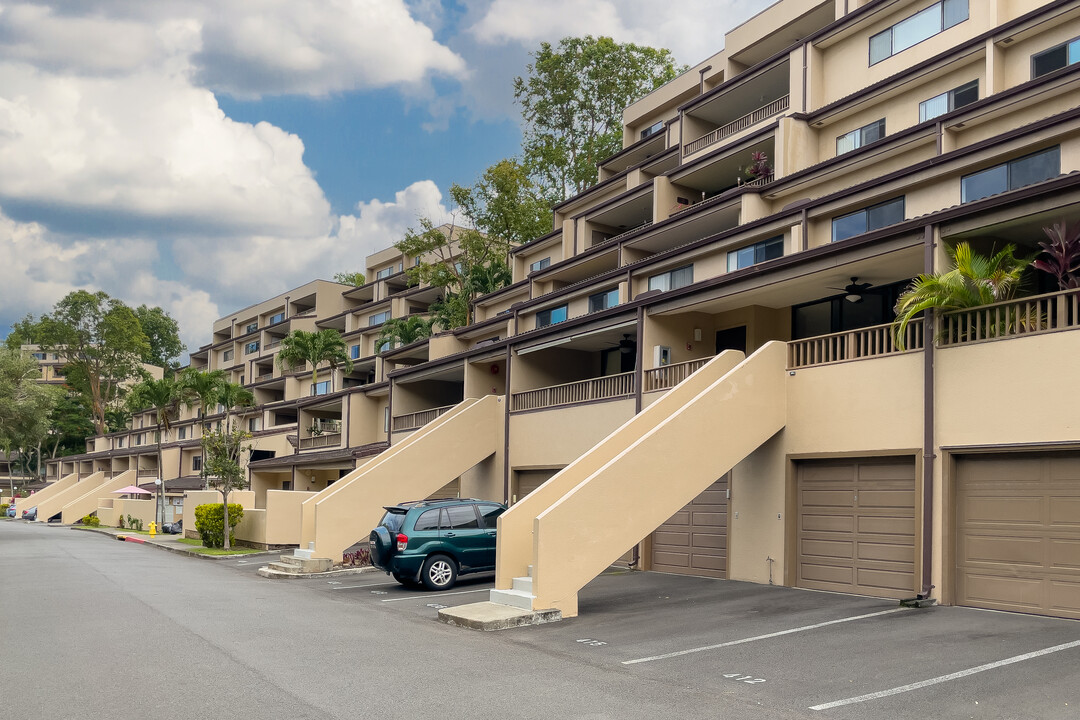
(604, 388)
(738, 125)
(264, 376)
(415, 420)
(147, 472)
(1013, 318)
(320, 441)
(858, 344)
(271, 345)
(668, 376)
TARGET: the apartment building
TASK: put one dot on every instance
(694, 371)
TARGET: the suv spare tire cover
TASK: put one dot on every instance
(382, 546)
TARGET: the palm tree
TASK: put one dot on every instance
(300, 347)
(201, 388)
(163, 397)
(233, 396)
(406, 330)
(973, 280)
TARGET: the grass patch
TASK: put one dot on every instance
(196, 546)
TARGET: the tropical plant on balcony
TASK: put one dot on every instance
(326, 346)
(403, 331)
(759, 166)
(972, 281)
(1062, 255)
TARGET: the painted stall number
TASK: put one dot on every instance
(437, 606)
(748, 679)
(592, 643)
(378, 592)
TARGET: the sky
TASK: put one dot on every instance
(202, 155)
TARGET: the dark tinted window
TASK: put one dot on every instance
(391, 520)
(428, 520)
(463, 517)
(490, 513)
(1049, 61)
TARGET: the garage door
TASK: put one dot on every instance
(529, 480)
(451, 489)
(856, 526)
(1018, 533)
(694, 540)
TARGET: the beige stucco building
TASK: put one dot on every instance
(595, 393)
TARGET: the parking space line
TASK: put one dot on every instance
(947, 678)
(804, 628)
(424, 597)
(353, 587)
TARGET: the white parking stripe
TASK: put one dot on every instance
(425, 597)
(947, 678)
(804, 628)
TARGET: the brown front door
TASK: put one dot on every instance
(694, 540)
(856, 526)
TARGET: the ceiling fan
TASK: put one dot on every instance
(854, 291)
(626, 345)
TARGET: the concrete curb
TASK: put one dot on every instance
(174, 549)
(276, 575)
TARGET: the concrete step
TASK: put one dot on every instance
(495, 616)
(523, 584)
(291, 560)
(513, 598)
(284, 567)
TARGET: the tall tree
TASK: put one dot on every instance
(572, 103)
(163, 397)
(464, 262)
(224, 448)
(349, 278)
(505, 203)
(24, 332)
(102, 343)
(25, 405)
(325, 346)
(163, 334)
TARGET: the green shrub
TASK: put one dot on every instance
(3, 509)
(210, 522)
(91, 521)
(120, 522)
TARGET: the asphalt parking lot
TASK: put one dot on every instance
(810, 654)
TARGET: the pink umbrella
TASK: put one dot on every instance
(131, 490)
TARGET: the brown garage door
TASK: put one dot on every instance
(856, 526)
(694, 540)
(451, 489)
(529, 480)
(1018, 533)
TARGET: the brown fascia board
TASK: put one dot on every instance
(503, 290)
(404, 348)
(494, 320)
(619, 176)
(644, 187)
(536, 241)
(634, 146)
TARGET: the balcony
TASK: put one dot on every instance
(148, 472)
(738, 125)
(413, 421)
(1035, 315)
(264, 377)
(320, 441)
(603, 388)
(668, 376)
(271, 345)
(869, 342)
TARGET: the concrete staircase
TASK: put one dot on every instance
(299, 563)
(520, 594)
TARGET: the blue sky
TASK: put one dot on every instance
(204, 155)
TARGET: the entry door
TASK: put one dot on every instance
(856, 526)
(694, 540)
(731, 339)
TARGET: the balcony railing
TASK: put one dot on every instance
(147, 472)
(724, 131)
(668, 376)
(415, 420)
(264, 376)
(604, 388)
(868, 342)
(1013, 318)
(271, 345)
(320, 441)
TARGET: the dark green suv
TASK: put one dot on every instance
(434, 541)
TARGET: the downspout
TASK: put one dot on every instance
(928, 426)
(639, 377)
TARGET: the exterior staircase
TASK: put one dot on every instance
(519, 595)
(298, 564)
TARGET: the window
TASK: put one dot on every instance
(673, 279)
(463, 517)
(286, 485)
(920, 26)
(757, 253)
(251, 347)
(251, 327)
(275, 319)
(386, 419)
(1012, 175)
(540, 264)
(949, 101)
(181, 433)
(378, 318)
(551, 316)
(383, 346)
(320, 388)
(428, 520)
(227, 356)
(1055, 58)
(604, 300)
(652, 129)
(491, 514)
(119, 442)
(254, 424)
(196, 463)
(863, 136)
(867, 219)
(354, 352)
(38, 355)
(384, 273)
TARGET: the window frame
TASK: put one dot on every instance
(276, 318)
(384, 273)
(859, 134)
(549, 313)
(1008, 166)
(866, 212)
(1060, 46)
(251, 347)
(670, 275)
(760, 246)
(315, 386)
(605, 295)
(942, 27)
(540, 264)
(378, 318)
(950, 100)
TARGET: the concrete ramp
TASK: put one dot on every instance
(52, 505)
(603, 504)
(44, 496)
(87, 502)
(412, 469)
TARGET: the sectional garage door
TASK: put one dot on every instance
(856, 526)
(529, 480)
(694, 540)
(1018, 533)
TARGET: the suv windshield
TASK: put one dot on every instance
(392, 520)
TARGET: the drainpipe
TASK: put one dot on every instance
(928, 426)
(638, 371)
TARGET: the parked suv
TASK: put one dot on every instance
(434, 541)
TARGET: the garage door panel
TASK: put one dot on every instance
(1065, 598)
(1007, 550)
(710, 518)
(871, 471)
(694, 540)
(669, 537)
(1005, 592)
(888, 552)
(680, 518)
(709, 541)
(828, 498)
(673, 559)
(828, 548)
(887, 499)
(831, 574)
(1065, 512)
(885, 525)
(828, 472)
(713, 497)
(899, 580)
(1065, 469)
(1003, 509)
(1065, 554)
(828, 523)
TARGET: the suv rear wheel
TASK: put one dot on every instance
(439, 573)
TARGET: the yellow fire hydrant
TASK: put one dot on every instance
(153, 529)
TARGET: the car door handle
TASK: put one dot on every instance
(450, 534)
